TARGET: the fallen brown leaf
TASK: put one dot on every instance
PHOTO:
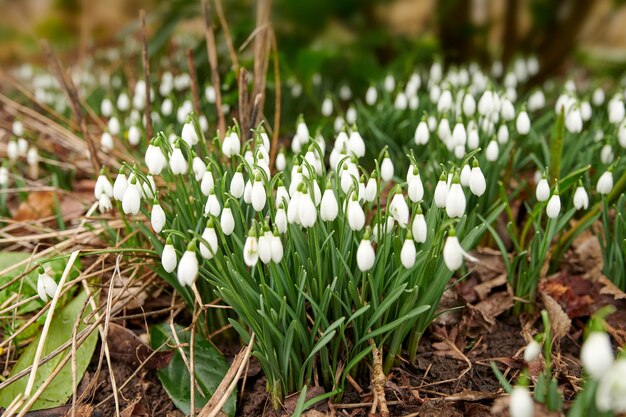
(38, 204)
(559, 321)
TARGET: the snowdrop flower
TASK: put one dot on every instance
(585, 111)
(212, 206)
(327, 107)
(4, 176)
(621, 135)
(339, 123)
(345, 93)
(207, 183)
(399, 209)
(356, 145)
(106, 142)
(386, 168)
(329, 207)
(443, 130)
(574, 121)
(389, 84)
(455, 199)
(477, 181)
(155, 158)
(17, 128)
(522, 124)
(123, 102)
(465, 175)
(120, 185)
(276, 246)
(209, 94)
(473, 139)
(231, 145)
(521, 403)
(401, 102)
(415, 188)
(441, 191)
(178, 163)
(507, 110)
(167, 107)
(536, 101)
(581, 199)
(280, 221)
(371, 95)
(371, 188)
(104, 203)
(189, 134)
(251, 248)
(605, 182)
(134, 135)
(46, 287)
(469, 105)
(12, 152)
(237, 184)
(247, 192)
(281, 161)
(459, 135)
(408, 252)
(532, 350)
(597, 97)
(616, 110)
(355, 213)
(554, 204)
(265, 245)
(543, 190)
(198, 167)
(258, 196)
(209, 235)
(606, 154)
(503, 134)
(227, 220)
(103, 186)
(611, 393)
(132, 198)
(187, 271)
(307, 212)
(493, 151)
(419, 228)
(114, 126)
(444, 104)
(453, 252)
(281, 194)
(421, 133)
(22, 147)
(365, 255)
(157, 217)
(596, 354)
(168, 257)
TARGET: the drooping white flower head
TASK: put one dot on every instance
(543, 190)
(386, 168)
(422, 133)
(237, 184)
(12, 152)
(106, 142)
(532, 351)
(187, 271)
(251, 248)
(209, 249)
(493, 151)
(329, 207)
(441, 191)
(453, 252)
(605, 182)
(371, 189)
(134, 135)
(131, 201)
(168, 257)
(596, 354)
(120, 185)
(581, 199)
(155, 158)
(103, 186)
(227, 220)
(157, 217)
(212, 206)
(46, 286)
(398, 208)
(455, 199)
(415, 188)
(207, 183)
(521, 402)
(189, 134)
(258, 195)
(522, 123)
(276, 246)
(280, 220)
(356, 144)
(281, 160)
(4, 176)
(17, 128)
(611, 393)
(408, 253)
(265, 245)
(178, 163)
(355, 213)
(307, 212)
(365, 255)
(371, 96)
(477, 182)
(327, 107)
(231, 145)
(553, 209)
(419, 228)
(389, 84)
(114, 126)
(465, 175)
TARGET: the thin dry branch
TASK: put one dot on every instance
(215, 75)
(194, 82)
(276, 129)
(146, 72)
(227, 36)
(261, 57)
(378, 381)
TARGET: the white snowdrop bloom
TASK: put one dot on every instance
(157, 218)
(522, 123)
(249, 157)
(282, 196)
(543, 190)
(621, 135)
(611, 393)
(473, 140)
(247, 192)
(259, 196)
(345, 93)
(187, 271)
(280, 221)
(441, 191)
(12, 152)
(386, 168)
(421, 133)
(459, 135)
(389, 84)
(469, 105)
(227, 220)
(32, 157)
(131, 200)
(553, 209)
(103, 186)
(302, 131)
(231, 145)
(436, 72)
(168, 257)
(339, 123)
(521, 402)
(401, 102)
(292, 207)
(104, 203)
(415, 188)
(198, 167)
(399, 209)
(22, 147)
(574, 121)
(155, 159)
(453, 252)
(106, 142)
(532, 351)
(596, 354)
(189, 134)
(265, 246)
(210, 94)
(351, 115)
(327, 107)
(465, 175)
(371, 96)
(435, 93)
(119, 186)
(134, 135)
(507, 110)
(207, 183)
(365, 255)
(419, 228)
(106, 107)
(276, 246)
(210, 236)
(431, 121)
(477, 182)
(585, 111)
(445, 102)
(443, 130)
(605, 183)
(616, 110)
(123, 102)
(355, 214)
(251, 249)
(46, 286)
(371, 188)
(503, 134)
(486, 103)
(536, 101)
(4, 176)
(581, 199)
(606, 154)
(455, 199)
(356, 145)
(342, 140)
(296, 90)
(281, 161)
(329, 207)
(493, 151)
(178, 163)
(597, 97)
(307, 212)
(212, 205)
(114, 126)
(17, 128)
(408, 253)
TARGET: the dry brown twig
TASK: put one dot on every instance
(378, 381)
(215, 75)
(195, 91)
(227, 36)
(146, 72)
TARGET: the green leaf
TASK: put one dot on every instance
(60, 389)
(210, 368)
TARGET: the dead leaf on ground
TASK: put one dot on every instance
(135, 409)
(559, 321)
(127, 347)
(38, 204)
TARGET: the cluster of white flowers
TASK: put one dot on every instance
(18, 147)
